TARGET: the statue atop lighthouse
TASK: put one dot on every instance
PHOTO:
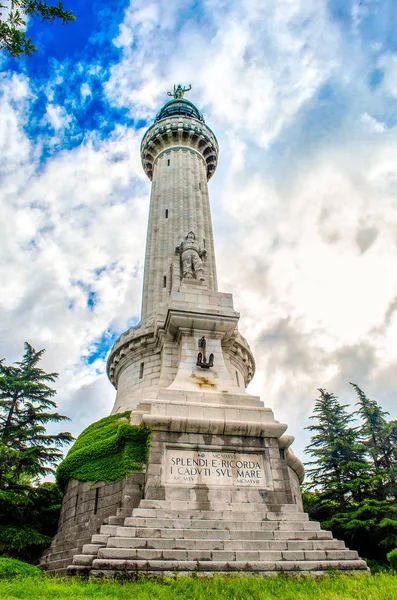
(179, 91)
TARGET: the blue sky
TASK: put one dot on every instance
(302, 97)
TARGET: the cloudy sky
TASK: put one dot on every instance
(302, 95)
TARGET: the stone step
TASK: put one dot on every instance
(241, 515)
(217, 555)
(100, 566)
(216, 495)
(221, 524)
(108, 529)
(238, 506)
(100, 538)
(115, 520)
(234, 534)
(205, 544)
(83, 559)
(78, 569)
(237, 403)
(91, 548)
(123, 512)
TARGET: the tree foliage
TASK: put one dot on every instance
(353, 473)
(28, 520)
(27, 450)
(392, 558)
(338, 464)
(13, 18)
(28, 511)
(379, 438)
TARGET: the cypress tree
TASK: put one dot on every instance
(353, 468)
(338, 467)
(379, 437)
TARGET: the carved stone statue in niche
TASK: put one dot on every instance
(191, 255)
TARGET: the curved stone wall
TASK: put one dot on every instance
(85, 509)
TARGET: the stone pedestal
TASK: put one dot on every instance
(216, 503)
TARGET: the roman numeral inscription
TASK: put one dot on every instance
(201, 467)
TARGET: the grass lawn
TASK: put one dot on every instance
(382, 586)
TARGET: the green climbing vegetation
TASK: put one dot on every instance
(107, 450)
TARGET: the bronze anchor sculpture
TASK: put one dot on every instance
(202, 358)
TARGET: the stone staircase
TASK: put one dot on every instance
(167, 537)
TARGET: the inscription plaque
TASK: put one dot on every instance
(203, 467)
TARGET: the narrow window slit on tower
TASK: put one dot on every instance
(282, 454)
(141, 367)
(204, 242)
(164, 281)
(75, 507)
(168, 162)
(238, 383)
(200, 185)
(96, 501)
(166, 213)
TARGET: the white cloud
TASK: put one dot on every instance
(16, 149)
(85, 91)
(372, 123)
(57, 116)
(388, 62)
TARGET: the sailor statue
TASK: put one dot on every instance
(191, 258)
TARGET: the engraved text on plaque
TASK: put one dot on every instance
(202, 467)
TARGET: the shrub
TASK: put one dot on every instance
(11, 567)
(28, 520)
(392, 558)
(107, 450)
(370, 526)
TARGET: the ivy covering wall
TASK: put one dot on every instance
(107, 450)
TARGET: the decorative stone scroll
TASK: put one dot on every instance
(203, 467)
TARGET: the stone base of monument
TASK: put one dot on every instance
(216, 504)
(85, 508)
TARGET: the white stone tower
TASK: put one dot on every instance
(154, 365)
(221, 488)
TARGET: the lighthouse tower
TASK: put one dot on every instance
(185, 367)
(221, 490)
